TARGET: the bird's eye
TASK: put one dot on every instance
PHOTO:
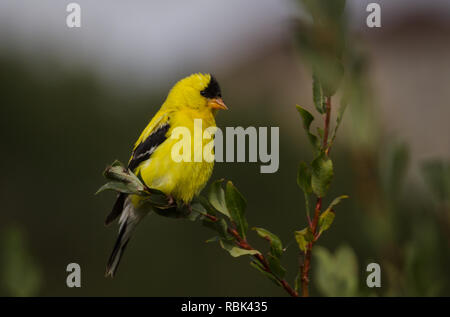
(203, 93)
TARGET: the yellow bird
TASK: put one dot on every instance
(195, 97)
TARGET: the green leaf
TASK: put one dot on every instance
(216, 197)
(437, 177)
(119, 187)
(276, 250)
(275, 266)
(304, 177)
(276, 247)
(195, 212)
(198, 208)
(336, 275)
(223, 228)
(260, 268)
(330, 72)
(320, 132)
(236, 205)
(303, 237)
(236, 251)
(308, 211)
(326, 219)
(336, 201)
(319, 100)
(213, 239)
(220, 226)
(307, 120)
(340, 115)
(304, 182)
(206, 205)
(118, 172)
(298, 281)
(123, 180)
(322, 174)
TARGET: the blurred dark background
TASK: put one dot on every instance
(74, 100)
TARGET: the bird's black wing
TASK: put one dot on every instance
(145, 149)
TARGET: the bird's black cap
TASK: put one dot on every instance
(212, 90)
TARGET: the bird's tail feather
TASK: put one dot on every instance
(129, 219)
(117, 209)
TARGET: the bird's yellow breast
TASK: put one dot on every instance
(182, 180)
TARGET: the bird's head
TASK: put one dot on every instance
(198, 92)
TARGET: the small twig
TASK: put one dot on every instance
(317, 237)
(313, 225)
(242, 243)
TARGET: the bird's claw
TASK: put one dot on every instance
(170, 200)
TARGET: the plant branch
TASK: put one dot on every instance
(242, 243)
(313, 225)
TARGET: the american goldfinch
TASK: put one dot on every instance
(195, 97)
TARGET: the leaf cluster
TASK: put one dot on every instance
(223, 211)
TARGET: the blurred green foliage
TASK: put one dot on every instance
(337, 274)
(322, 44)
(406, 234)
(437, 176)
(20, 275)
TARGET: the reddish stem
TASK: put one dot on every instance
(242, 243)
(313, 225)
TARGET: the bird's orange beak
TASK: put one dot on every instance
(217, 103)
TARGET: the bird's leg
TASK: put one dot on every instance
(170, 200)
(189, 208)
